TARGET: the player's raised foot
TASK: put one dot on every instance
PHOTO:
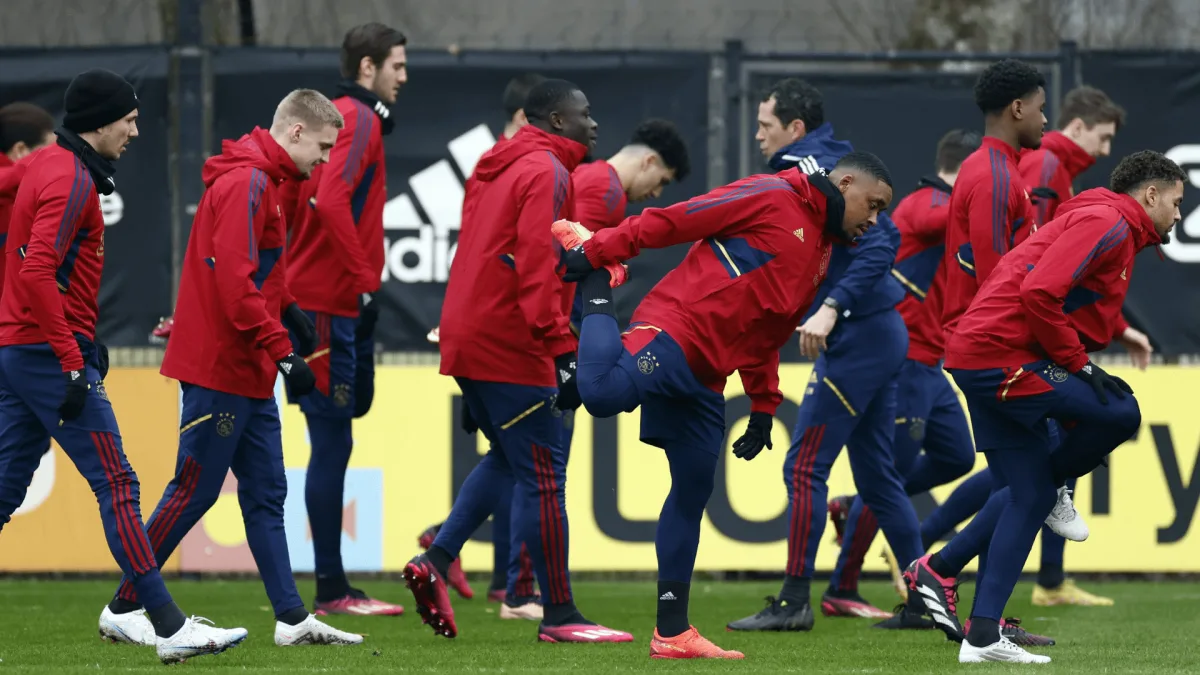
(688, 645)
(497, 595)
(522, 608)
(581, 632)
(851, 604)
(132, 628)
(939, 594)
(904, 618)
(425, 540)
(357, 603)
(778, 615)
(458, 580)
(570, 235)
(1011, 629)
(839, 511)
(1065, 520)
(1068, 594)
(198, 637)
(898, 583)
(432, 599)
(312, 631)
(1003, 650)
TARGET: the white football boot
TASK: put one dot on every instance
(1004, 650)
(132, 628)
(312, 631)
(1065, 520)
(196, 638)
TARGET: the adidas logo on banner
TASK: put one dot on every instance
(424, 252)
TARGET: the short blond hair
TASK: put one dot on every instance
(308, 107)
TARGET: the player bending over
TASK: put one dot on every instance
(762, 249)
(227, 353)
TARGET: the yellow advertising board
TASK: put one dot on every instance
(409, 457)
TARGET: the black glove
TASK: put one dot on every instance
(368, 314)
(77, 390)
(465, 419)
(295, 320)
(568, 392)
(1100, 380)
(758, 434)
(102, 360)
(576, 263)
(1043, 193)
(296, 373)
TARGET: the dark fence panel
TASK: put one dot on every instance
(136, 287)
(1161, 93)
(446, 116)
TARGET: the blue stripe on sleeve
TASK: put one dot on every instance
(561, 182)
(258, 183)
(754, 187)
(358, 146)
(612, 196)
(69, 211)
(1111, 239)
(1001, 183)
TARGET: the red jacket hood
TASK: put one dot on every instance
(528, 139)
(1139, 221)
(1072, 157)
(256, 149)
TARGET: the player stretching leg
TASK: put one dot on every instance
(853, 394)
(1020, 356)
(52, 370)
(227, 353)
(928, 413)
(335, 258)
(762, 249)
(505, 338)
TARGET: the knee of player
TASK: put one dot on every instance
(1127, 417)
(961, 464)
(266, 493)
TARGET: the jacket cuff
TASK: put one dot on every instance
(1077, 363)
(843, 299)
(764, 405)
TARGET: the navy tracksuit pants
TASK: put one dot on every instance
(31, 390)
(851, 401)
(646, 367)
(527, 456)
(219, 432)
(1009, 411)
(930, 417)
(345, 369)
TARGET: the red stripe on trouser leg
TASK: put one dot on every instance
(804, 481)
(525, 575)
(543, 518)
(560, 527)
(864, 534)
(130, 505)
(124, 532)
(550, 525)
(165, 520)
(795, 564)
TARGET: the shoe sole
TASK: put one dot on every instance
(211, 652)
(327, 612)
(118, 637)
(832, 611)
(418, 583)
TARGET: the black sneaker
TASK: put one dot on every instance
(778, 615)
(940, 596)
(1011, 629)
(904, 618)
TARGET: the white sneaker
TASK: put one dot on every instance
(312, 632)
(197, 639)
(1004, 650)
(132, 628)
(1065, 520)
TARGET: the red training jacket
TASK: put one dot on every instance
(54, 257)
(10, 179)
(990, 213)
(336, 248)
(744, 286)
(1059, 295)
(1055, 165)
(921, 219)
(600, 198)
(505, 316)
(227, 333)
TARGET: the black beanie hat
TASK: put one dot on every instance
(96, 98)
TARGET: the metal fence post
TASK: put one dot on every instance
(189, 111)
(1069, 50)
(734, 52)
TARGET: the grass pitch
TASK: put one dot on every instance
(50, 627)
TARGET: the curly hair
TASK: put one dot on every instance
(1004, 82)
(1135, 171)
(662, 137)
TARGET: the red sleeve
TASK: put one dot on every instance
(1060, 182)
(542, 199)
(761, 383)
(989, 223)
(596, 201)
(338, 178)
(725, 209)
(928, 227)
(1080, 250)
(235, 244)
(60, 211)
(1121, 327)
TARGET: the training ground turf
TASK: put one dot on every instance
(50, 627)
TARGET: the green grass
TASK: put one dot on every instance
(50, 627)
